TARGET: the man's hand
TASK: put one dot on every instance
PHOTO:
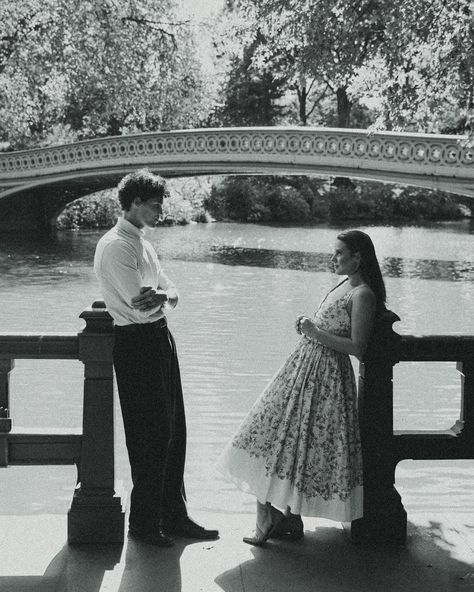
(149, 298)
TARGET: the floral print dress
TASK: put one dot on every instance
(299, 447)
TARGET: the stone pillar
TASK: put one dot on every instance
(466, 369)
(96, 514)
(385, 518)
(6, 365)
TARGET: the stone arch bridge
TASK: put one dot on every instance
(35, 185)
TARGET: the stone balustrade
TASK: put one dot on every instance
(429, 160)
(385, 518)
(96, 513)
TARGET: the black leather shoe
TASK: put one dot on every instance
(186, 527)
(158, 538)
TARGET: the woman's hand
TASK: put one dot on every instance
(298, 324)
(305, 326)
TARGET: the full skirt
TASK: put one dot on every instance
(299, 447)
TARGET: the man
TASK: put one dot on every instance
(137, 294)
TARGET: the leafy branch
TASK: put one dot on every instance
(157, 26)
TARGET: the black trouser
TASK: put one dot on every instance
(151, 398)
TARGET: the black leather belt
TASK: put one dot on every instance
(159, 324)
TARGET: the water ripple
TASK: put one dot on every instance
(397, 267)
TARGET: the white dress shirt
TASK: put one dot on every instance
(124, 262)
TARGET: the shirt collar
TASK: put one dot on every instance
(129, 228)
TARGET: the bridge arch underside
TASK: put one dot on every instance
(36, 206)
(35, 203)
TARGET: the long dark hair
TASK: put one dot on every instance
(360, 242)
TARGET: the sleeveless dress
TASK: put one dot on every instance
(299, 447)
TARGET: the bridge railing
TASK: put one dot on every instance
(96, 514)
(436, 161)
(385, 518)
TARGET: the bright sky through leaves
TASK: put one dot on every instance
(201, 8)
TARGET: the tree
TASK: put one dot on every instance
(423, 75)
(322, 42)
(251, 94)
(411, 61)
(96, 69)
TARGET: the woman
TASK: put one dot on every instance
(299, 448)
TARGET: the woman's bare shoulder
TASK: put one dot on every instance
(364, 294)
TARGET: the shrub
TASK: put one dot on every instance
(177, 210)
(380, 201)
(286, 205)
(237, 198)
(99, 210)
(241, 197)
(377, 199)
(342, 204)
(413, 202)
(259, 213)
(259, 199)
(192, 191)
(265, 199)
(215, 203)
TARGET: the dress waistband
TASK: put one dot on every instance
(159, 324)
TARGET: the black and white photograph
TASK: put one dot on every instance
(236, 295)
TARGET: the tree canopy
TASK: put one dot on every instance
(411, 61)
(78, 69)
(74, 69)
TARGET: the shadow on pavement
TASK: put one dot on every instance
(434, 559)
(328, 561)
(82, 566)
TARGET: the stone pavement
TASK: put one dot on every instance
(438, 557)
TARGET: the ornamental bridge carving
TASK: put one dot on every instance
(35, 185)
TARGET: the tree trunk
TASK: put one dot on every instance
(343, 107)
(302, 101)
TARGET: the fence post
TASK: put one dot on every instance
(466, 369)
(96, 514)
(385, 518)
(6, 365)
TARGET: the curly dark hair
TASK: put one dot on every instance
(143, 184)
(360, 242)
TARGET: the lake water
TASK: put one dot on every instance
(241, 287)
